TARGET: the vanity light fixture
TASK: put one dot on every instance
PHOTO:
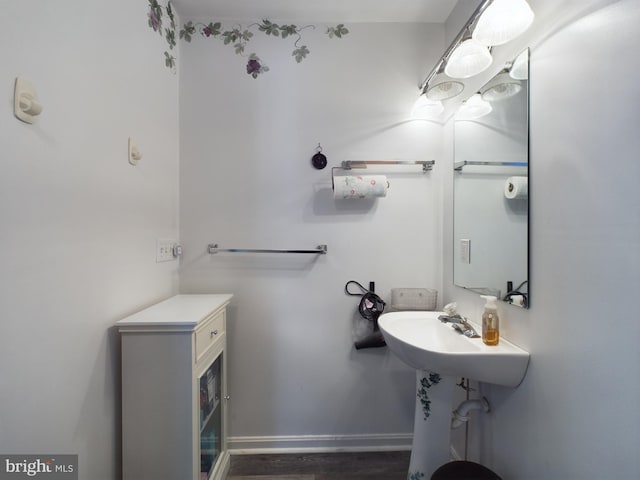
(502, 21)
(494, 22)
(500, 87)
(468, 59)
(474, 108)
(442, 88)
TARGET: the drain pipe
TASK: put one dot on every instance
(460, 415)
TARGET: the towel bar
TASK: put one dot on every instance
(427, 165)
(212, 248)
(458, 166)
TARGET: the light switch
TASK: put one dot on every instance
(465, 250)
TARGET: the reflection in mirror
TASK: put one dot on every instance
(491, 205)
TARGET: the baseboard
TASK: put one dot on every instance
(319, 443)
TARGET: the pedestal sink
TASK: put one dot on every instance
(440, 355)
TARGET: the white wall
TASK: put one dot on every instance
(78, 222)
(247, 181)
(575, 415)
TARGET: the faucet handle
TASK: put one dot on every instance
(458, 328)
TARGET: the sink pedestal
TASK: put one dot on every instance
(425, 343)
(432, 424)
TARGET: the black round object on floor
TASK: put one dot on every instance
(463, 470)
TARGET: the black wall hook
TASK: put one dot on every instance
(319, 160)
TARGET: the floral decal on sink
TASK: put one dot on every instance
(426, 384)
(415, 476)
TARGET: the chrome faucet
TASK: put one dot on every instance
(460, 324)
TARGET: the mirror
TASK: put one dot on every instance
(491, 206)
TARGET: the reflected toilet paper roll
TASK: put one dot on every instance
(516, 187)
(359, 186)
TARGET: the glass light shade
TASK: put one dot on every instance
(468, 59)
(520, 68)
(499, 87)
(425, 109)
(442, 88)
(474, 108)
(503, 21)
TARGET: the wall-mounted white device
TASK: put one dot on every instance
(26, 106)
(134, 153)
(167, 249)
(465, 250)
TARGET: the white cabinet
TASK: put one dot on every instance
(174, 393)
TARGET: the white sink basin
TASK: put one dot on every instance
(425, 343)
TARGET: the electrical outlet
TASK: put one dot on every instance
(164, 250)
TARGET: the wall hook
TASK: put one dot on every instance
(26, 106)
(319, 160)
(134, 153)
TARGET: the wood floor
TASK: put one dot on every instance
(321, 466)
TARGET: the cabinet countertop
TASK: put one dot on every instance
(179, 310)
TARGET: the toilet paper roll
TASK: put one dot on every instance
(359, 186)
(516, 187)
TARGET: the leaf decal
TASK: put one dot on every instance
(338, 31)
(301, 53)
(237, 36)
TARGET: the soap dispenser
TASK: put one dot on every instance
(490, 321)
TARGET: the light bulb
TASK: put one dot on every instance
(503, 21)
(499, 87)
(473, 108)
(468, 59)
(425, 109)
(442, 88)
(520, 68)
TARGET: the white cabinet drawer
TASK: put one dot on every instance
(208, 333)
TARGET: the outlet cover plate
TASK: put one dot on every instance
(465, 250)
(164, 249)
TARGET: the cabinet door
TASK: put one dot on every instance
(211, 416)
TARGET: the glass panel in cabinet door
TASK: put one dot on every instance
(210, 417)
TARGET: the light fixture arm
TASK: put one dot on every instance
(466, 31)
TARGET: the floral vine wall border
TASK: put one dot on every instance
(238, 37)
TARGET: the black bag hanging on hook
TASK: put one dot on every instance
(370, 307)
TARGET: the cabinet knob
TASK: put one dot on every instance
(213, 334)
(227, 397)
